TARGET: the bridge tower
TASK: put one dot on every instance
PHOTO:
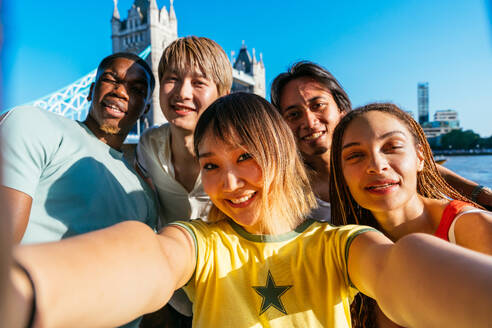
(146, 25)
(248, 72)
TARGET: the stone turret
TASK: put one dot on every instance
(146, 25)
(115, 24)
(248, 73)
(259, 75)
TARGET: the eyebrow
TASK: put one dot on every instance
(179, 73)
(309, 101)
(117, 77)
(207, 154)
(113, 74)
(387, 134)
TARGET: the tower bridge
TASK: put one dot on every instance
(147, 31)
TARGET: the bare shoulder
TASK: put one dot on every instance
(473, 229)
(474, 216)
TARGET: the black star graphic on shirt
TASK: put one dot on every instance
(271, 295)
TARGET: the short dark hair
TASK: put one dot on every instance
(109, 59)
(316, 72)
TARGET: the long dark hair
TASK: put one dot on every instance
(315, 72)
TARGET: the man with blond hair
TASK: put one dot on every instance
(193, 73)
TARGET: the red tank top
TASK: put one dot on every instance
(450, 212)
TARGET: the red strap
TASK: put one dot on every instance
(450, 212)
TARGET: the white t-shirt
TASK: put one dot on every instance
(153, 156)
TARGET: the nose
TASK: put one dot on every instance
(184, 90)
(377, 164)
(120, 91)
(232, 180)
(310, 119)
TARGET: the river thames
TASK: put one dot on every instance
(476, 168)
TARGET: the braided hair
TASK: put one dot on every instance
(345, 210)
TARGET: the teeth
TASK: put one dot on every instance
(116, 109)
(313, 136)
(242, 199)
(184, 109)
(382, 186)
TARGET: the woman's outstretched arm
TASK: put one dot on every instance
(108, 277)
(422, 281)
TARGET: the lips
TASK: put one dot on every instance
(183, 109)
(114, 108)
(242, 200)
(313, 136)
(382, 187)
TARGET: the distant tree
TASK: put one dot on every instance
(459, 139)
(485, 143)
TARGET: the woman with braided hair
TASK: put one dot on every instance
(384, 175)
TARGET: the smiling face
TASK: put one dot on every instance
(184, 96)
(311, 113)
(119, 97)
(233, 180)
(380, 162)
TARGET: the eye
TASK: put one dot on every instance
(393, 146)
(353, 156)
(200, 82)
(170, 79)
(292, 115)
(139, 90)
(209, 166)
(318, 106)
(108, 79)
(244, 157)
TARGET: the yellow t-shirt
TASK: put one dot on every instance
(297, 279)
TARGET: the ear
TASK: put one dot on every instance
(91, 90)
(420, 158)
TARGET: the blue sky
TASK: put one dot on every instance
(379, 50)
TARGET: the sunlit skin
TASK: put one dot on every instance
(380, 162)
(311, 112)
(184, 97)
(119, 97)
(233, 180)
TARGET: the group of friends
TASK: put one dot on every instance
(299, 212)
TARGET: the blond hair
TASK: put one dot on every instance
(201, 53)
(251, 122)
